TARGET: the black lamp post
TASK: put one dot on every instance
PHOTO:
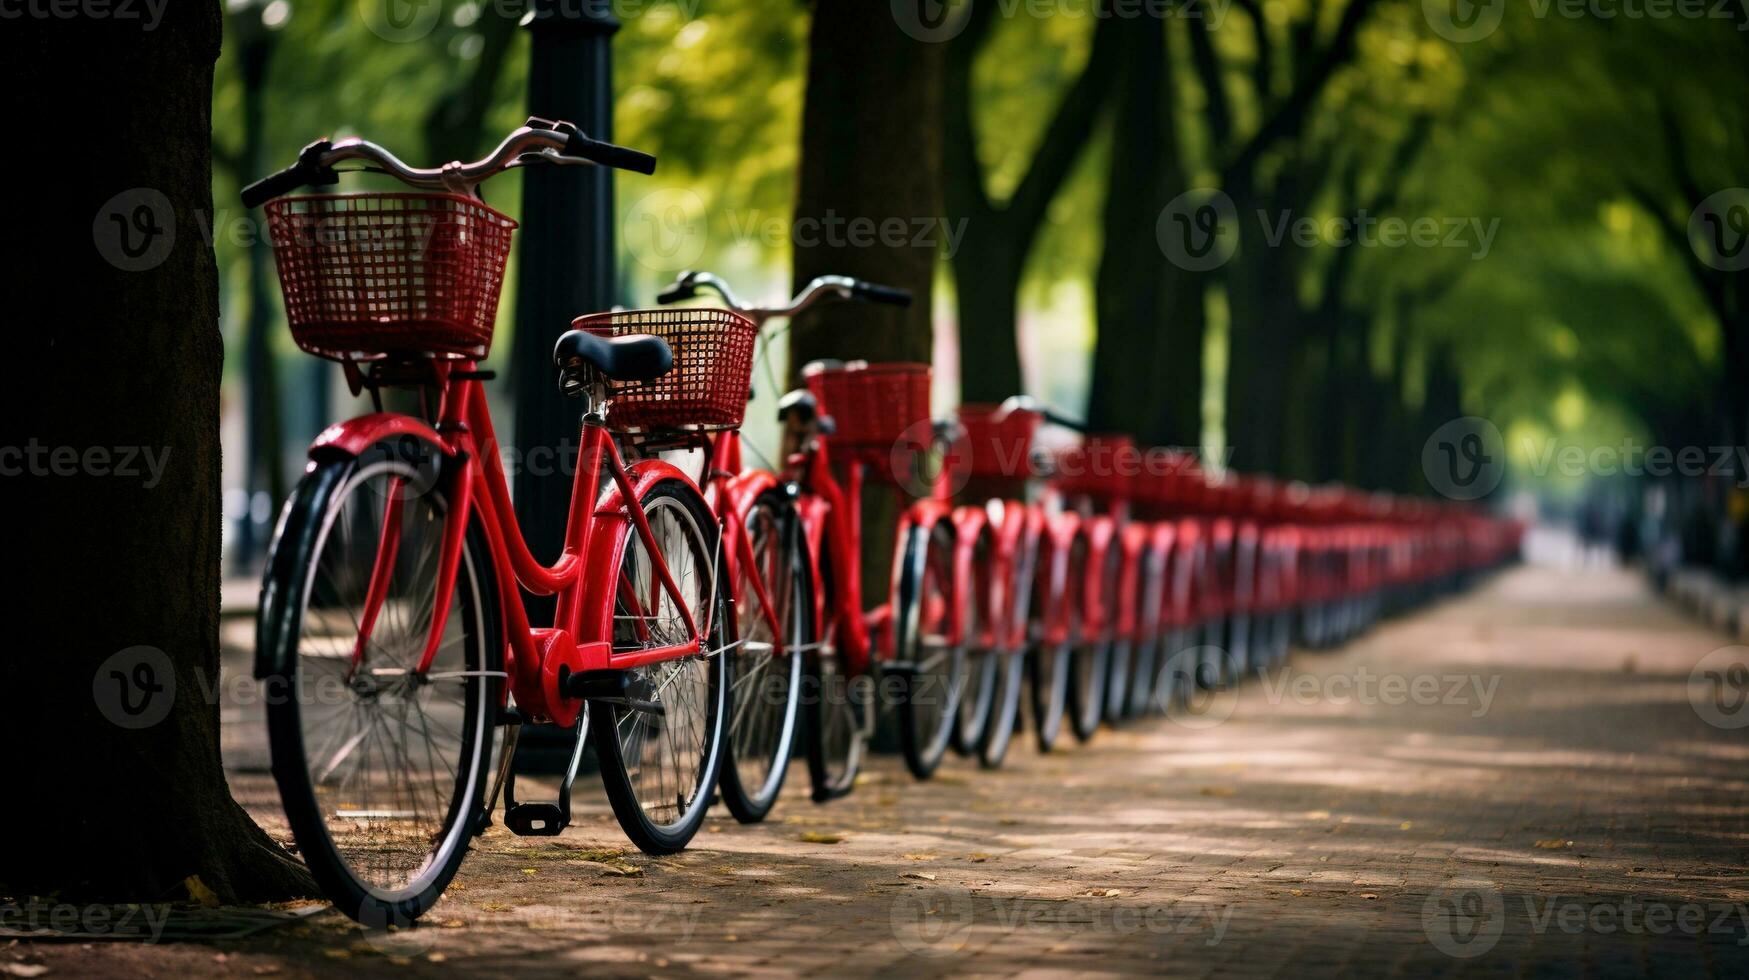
(565, 269)
(566, 265)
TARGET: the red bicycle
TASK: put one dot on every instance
(391, 615)
(869, 415)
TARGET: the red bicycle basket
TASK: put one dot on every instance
(998, 448)
(872, 404)
(713, 367)
(368, 276)
(1102, 467)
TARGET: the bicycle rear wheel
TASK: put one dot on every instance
(1005, 708)
(936, 676)
(765, 686)
(661, 750)
(1091, 658)
(838, 704)
(382, 768)
(1056, 594)
(984, 658)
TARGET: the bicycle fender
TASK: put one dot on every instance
(353, 436)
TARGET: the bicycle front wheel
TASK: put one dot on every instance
(765, 684)
(382, 767)
(935, 678)
(661, 748)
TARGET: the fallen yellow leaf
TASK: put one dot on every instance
(199, 893)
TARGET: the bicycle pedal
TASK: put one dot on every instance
(535, 819)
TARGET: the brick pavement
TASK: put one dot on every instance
(1510, 783)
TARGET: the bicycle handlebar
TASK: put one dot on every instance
(843, 287)
(1027, 403)
(540, 141)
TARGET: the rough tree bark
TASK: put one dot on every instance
(999, 235)
(1147, 356)
(1260, 288)
(116, 558)
(871, 156)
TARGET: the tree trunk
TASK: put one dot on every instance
(108, 804)
(1147, 357)
(1262, 336)
(989, 307)
(998, 236)
(871, 157)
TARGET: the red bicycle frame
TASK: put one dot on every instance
(831, 515)
(731, 493)
(597, 531)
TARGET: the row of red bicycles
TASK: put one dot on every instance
(715, 621)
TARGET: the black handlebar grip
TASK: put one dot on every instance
(875, 293)
(1064, 421)
(610, 155)
(676, 293)
(308, 170)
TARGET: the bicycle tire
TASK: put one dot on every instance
(928, 697)
(690, 689)
(761, 742)
(307, 526)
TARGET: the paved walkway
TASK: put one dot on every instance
(1514, 782)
